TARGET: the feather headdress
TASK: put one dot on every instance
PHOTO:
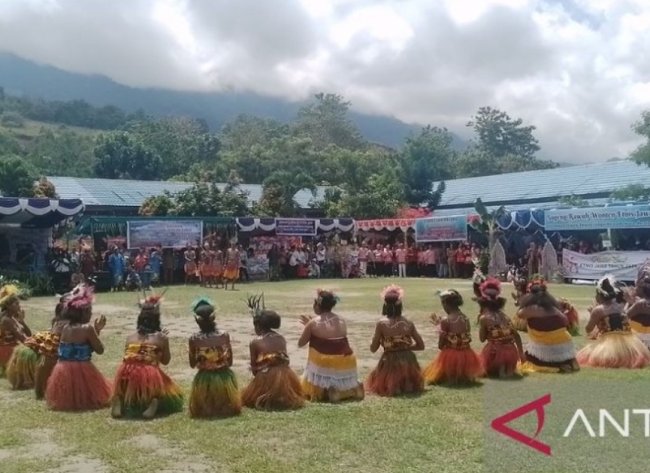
(608, 286)
(490, 288)
(393, 292)
(8, 293)
(321, 292)
(537, 280)
(81, 297)
(256, 305)
(201, 301)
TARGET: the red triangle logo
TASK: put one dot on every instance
(500, 424)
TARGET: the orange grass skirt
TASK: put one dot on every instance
(454, 367)
(397, 372)
(276, 388)
(137, 384)
(77, 386)
(615, 350)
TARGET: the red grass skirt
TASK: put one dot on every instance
(397, 372)
(21, 369)
(137, 384)
(77, 386)
(276, 388)
(499, 359)
(215, 394)
(5, 355)
(454, 367)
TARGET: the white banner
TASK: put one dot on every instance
(623, 265)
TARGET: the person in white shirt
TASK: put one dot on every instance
(294, 262)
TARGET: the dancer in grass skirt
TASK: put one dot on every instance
(141, 387)
(456, 363)
(274, 385)
(616, 346)
(398, 371)
(550, 345)
(638, 306)
(75, 384)
(503, 350)
(28, 367)
(19, 368)
(46, 344)
(214, 389)
(331, 371)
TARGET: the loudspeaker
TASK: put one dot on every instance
(99, 241)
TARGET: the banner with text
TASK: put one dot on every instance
(295, 226)
(452, 228)
(164, 233)
(629, 216)
(623, 265)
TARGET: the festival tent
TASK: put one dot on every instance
(26, 227)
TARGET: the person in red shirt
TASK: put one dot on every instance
(430, 259)
(387, 257)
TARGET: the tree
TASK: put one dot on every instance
(44, 188)
(278, 193)
(121, 156)
(503, 145)
(642, 128)
(425, 159)
(500, 135)
(62, 153)
(17, 177)
(382, 195)
(326, 122)
(632, 192)
(487, 223)
(157, 205)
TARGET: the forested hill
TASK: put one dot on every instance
(22, 77)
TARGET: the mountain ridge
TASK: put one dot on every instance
(19, 76)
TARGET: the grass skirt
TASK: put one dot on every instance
(44, 370)
(454, 367)
(215, 394)
(397, 372)
(275, 388)
(137, 384)
(21, 369)
(499, 359)
(5, 355)
(330, 371)
(615, 350)
(77, 386)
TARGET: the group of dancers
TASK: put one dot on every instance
(57, 363)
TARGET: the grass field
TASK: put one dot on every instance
(441, 431)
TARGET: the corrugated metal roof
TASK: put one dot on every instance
(128, 193)
(547, 184)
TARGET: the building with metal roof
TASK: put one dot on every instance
(124, 197)
(542, 189)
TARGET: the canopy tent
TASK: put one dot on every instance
(521, 219)
(38, 212)
(118, 225)
(249, 224)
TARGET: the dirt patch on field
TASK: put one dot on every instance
(178, 459)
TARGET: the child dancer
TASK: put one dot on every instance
(456, 363)
(274, 385)
(398, 371)
(214, 389)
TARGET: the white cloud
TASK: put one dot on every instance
(577, 69)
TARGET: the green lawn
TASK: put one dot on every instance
(440, 431)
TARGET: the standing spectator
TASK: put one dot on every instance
(451, 261)
(273, 256)
(243, 264)
(400, 256)
(387, 258)
(294, 262)
(117, 266)
(533, 257)
(430, 259)
(441, 257)
(412, 253)
(321, 256)
(353, 257)
(379, 261)
(87, 263)
(364, 254)
(168, 264)
(155, 263)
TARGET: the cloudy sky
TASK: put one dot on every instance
(579, 70)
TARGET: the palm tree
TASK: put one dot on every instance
(487, 225)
